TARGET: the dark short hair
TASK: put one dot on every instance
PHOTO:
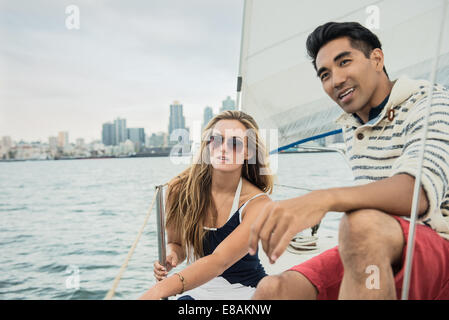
(361, 38)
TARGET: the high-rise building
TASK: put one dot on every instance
(80, 143)
(207, 115)
(158, 139)
(176, 120)
(227, 104)
(53, 143)
(136, 135)
(120, 130)
(5, 146)
(63, 139)
(6, 142)
(114, 133)
(108, 134)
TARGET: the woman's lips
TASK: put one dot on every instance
(222, 159)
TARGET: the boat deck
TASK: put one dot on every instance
(326, 239)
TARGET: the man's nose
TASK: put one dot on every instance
(338, 79)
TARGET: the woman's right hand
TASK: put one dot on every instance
(160, 273)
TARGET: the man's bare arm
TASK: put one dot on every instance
(280, 221)
(393, 195)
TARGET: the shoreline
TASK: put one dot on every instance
(163, 155)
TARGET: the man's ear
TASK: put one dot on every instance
(377, 55)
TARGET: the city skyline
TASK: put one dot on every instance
(227, 104)
(117, 140)
(126, 61)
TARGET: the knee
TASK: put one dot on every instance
(358, 226)
(368, 233)
(268, 288)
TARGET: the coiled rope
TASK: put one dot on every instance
(301, 244)
(117, 279)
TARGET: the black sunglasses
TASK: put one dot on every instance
(235, 143)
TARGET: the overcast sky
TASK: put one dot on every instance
(128, 59)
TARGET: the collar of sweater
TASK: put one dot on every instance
(403, 89)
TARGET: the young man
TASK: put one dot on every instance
(383, 127)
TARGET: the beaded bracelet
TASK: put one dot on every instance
(182, 281)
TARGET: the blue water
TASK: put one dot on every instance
(67, 226)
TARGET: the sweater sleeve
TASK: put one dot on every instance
(435, 167)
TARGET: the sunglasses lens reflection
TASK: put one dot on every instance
(233, 143)
(215, 141)
(236, 144)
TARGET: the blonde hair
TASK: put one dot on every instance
(189, 195)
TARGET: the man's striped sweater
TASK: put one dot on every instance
(390, 145)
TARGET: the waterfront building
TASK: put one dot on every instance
(227, 104)
(108, 134)
(121, 134)
(137, 136)
(158, 140)
(208, 114)
(177, 119)
(63, 139)
(6, 142)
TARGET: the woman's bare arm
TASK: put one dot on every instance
(232, 249)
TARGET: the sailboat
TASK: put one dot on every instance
(277, 84)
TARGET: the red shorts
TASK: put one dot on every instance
(430, 271)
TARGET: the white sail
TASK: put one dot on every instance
(279, 84)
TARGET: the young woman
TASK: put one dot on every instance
(210, 209)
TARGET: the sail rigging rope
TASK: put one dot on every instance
(292, 187)
(416, 191)
(117, 279)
